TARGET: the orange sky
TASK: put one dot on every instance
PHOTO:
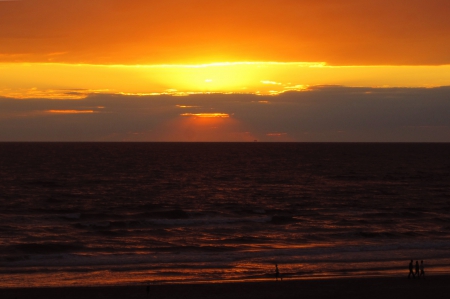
(73, 81)
(278, 70)
(338, 32)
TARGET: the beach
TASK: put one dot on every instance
(367, 287)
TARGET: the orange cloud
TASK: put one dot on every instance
(207, 115)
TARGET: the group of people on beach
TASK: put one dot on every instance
(419, 270)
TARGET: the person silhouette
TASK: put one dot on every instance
(422, 272)
(148, 290)
(277, 273)
(417, 269)
(411, 270)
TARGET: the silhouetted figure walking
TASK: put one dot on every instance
(277, 273)
(417, 269)
(411, 272)
(422, 271)
(148, 290)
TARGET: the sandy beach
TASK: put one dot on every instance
(378, 287)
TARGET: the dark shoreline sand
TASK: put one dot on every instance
(369, 287)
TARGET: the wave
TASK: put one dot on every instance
(46, 248)
(73, 254)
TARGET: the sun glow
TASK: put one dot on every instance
(77, 81)
(195, 127)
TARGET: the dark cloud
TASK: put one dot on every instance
(323, 113)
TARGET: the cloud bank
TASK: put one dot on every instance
(319, 114)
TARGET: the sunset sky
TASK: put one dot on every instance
(196, 70)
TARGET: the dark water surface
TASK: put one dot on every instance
(126, 213)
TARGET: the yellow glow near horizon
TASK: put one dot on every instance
(76, 81)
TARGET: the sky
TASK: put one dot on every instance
(196, 70)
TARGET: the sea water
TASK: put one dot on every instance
(129, 213)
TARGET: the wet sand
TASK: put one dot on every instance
(378, 287)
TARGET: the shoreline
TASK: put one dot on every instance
(433, 286)
(255, 280)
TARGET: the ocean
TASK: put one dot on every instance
(83, 214)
